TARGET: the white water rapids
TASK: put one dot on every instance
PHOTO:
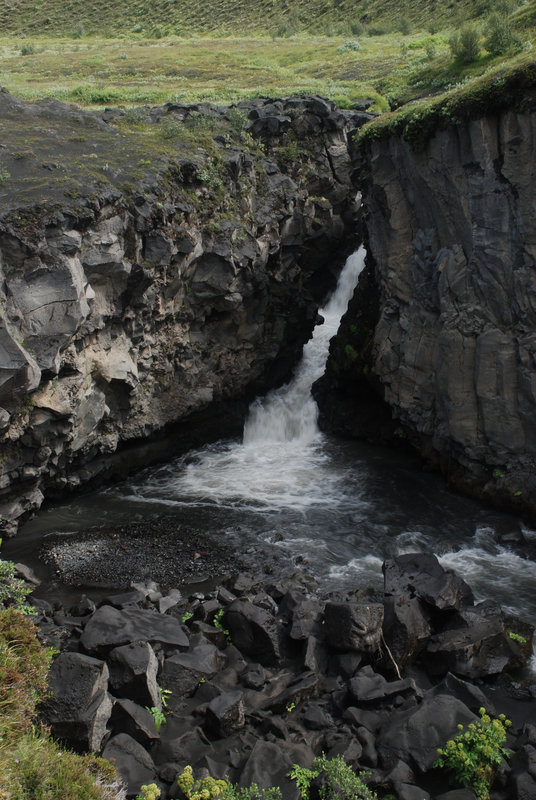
(343, 507)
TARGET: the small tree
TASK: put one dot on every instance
(465, 45)
(500, 38)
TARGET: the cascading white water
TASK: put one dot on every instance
(280, 451)
(290, 413)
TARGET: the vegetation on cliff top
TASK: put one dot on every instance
(512, 86)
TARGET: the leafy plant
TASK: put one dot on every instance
(218, 623)
(149, 792)
(475, 754)
(290, 707)
(209, 788)
(186, 616)
(158, 716)
(4, 175)
(517, 637)
(341, 780)
(13, 590)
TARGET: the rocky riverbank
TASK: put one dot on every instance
(264, 673)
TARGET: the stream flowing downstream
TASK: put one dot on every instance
(342, 507)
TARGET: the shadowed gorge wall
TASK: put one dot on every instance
(443, 329)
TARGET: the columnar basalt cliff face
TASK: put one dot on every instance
(133, 309)
(443, 328)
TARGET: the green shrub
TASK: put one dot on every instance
(500, 38)
(404, 26)
(13, 591)
(475, 754)
(209, 788)
(27, 50)
(341, 783)
(465, 45)
(350, 45)
(356, 28)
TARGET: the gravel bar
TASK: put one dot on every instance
(162, 550)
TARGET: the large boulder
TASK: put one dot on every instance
(110, 627)
(132, 761)
(253, 630)
(421, 575)
(79, 706)
(133, 670)
(353, 626)
(415, 734)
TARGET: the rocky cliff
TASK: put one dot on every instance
(157, 267)
(443, 325)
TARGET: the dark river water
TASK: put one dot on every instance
(342, 506)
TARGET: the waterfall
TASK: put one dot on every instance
(290, 414)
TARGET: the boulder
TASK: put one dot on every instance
(353, 626)
(474, 652)
(132, 761)
(371, 687)
(183, 672)
(268, 765)
(406, 627)
(253, 630)
(414, 735)
(110, 627)
(133, 670)
(225, 714)
(138, 722)
(421, 575)
(79, 706)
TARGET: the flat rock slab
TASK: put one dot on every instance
(110, 627)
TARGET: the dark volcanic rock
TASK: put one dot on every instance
(108, 627)
(253, 630)
(79, 706)
(421, 575)
(353, 626)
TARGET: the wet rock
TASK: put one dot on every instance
(353, 626)
(132, 761)
(79, 706)
(421, 575)
(189, 747)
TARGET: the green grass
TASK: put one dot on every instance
(163, 18)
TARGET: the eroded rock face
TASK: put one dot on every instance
(123, 314)
(444, 328)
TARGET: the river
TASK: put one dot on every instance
(340, 507)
